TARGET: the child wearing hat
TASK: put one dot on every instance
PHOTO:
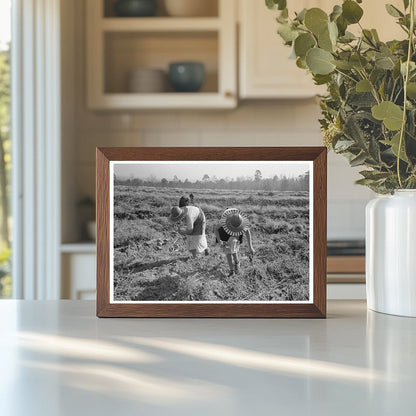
(229, 233)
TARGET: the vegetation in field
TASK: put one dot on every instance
(151, 262)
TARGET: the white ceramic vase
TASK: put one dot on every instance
(391, 253)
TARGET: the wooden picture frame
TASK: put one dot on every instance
(108, 159)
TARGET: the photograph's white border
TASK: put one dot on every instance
(311, 231)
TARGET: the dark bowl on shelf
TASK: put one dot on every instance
(135, 8)
(186, 76)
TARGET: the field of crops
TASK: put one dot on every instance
(152, 264)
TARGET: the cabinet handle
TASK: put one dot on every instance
(229, 94)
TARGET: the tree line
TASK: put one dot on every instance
(257, 182)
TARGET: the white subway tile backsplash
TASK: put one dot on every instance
(202, 120)
(96, 120)
(171, 138)
(228, 138)
(156, 119)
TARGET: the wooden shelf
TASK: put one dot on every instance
(80, 247)
(197, 100)
(160, 24)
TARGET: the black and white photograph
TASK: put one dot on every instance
(186, 231)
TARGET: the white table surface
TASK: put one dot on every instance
(57, 358)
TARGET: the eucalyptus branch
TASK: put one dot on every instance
(365, 61)
(392, 91)
(406, 79)
(373, 88)
(346, 75)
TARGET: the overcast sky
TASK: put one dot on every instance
(196, 170)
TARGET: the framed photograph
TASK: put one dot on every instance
(211, 232)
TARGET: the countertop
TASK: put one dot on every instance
(57, 358)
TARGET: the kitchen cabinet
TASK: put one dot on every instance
(118, 45)
(265, 70)
(78, 263)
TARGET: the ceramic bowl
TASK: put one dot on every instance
(147, 80)
(135, 8)
(186, 76)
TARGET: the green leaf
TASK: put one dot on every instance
(321, 79)
(412, 67)
(368, 36)
(287, 33)
(382, 89)
(388, 112)
(276, 4)
(375, 35)
(342, 25)
(319, 61)
(393, 11)
(411, 90)
(374, 174)
(358, 61)
(301, 15)
(325, 42)
(347, 37)
(354, 132)
(303, 43)
(365, 182)
(336, 12)
(343, 145)
(362, 99)
(384, 62)
(358, 160)
(345, 65)
(394, 144)
(363, 86)
(374, 150)
(316, 20)
(333, 32)
(301, 63)
(351, 11)
(406, 4)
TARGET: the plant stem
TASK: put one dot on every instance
(406, 79)
(346, 75)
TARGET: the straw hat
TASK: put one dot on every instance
(234, 222)
(176, 214)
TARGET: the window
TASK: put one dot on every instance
(5, 147)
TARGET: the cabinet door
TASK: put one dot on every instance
(265, 68)
(78, 276)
